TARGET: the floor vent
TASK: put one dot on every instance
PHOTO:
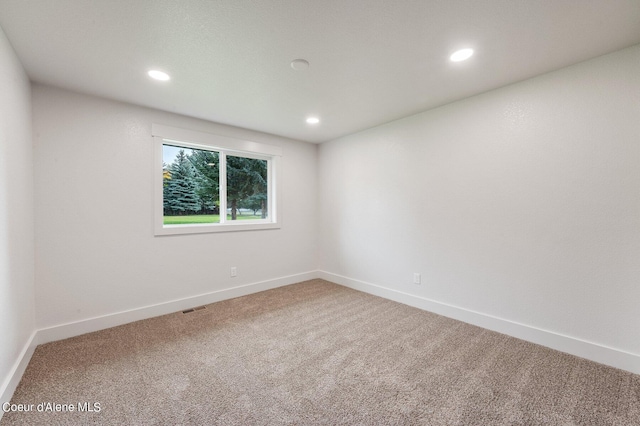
(198, 308)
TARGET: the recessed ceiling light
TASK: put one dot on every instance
(299, 64)
(158, 75)
(313, 120)
(461, 55)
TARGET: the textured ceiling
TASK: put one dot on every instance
(372, 61)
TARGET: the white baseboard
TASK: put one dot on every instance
(589, 350)
(15, 374)
(571, 345)
(63, 331)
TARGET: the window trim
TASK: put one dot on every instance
(224, 145)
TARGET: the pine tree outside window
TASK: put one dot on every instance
(211, 183)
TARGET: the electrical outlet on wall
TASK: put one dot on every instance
(417, 278)
(234, 271)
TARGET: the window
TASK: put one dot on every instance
(212, 183)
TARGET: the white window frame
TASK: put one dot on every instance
(190, 139)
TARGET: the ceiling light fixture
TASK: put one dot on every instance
(299, 64)
(461, 55)
(313, 120)
(159, 75)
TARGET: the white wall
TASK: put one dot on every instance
(522, 203)
(16, 217)
(96, 251)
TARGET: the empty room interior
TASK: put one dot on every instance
(320, 212)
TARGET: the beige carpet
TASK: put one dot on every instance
(318, 353)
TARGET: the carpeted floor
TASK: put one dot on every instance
(317, 353)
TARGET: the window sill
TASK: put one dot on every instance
(215, 227)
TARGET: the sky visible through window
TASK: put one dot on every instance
(169, 153)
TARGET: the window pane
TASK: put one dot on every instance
(190, 186)
(246, 188)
